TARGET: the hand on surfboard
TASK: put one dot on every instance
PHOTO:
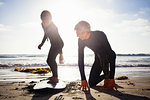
(84, 85)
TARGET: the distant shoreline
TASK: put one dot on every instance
(140, 54)
(42, 55)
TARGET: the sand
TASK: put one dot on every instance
(139, 90)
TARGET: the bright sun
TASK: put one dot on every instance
(65, 19)
(66, 14)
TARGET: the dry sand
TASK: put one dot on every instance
(140, 90)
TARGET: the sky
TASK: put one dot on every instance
(126, 24)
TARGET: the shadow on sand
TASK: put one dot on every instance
(46, 94)
(88, 95)
(43, 94)
(120, 95)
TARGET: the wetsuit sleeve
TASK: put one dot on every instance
(44, 39)
(81, 59)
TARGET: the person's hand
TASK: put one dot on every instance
(61, 58)
(84, 85)
(40, 45)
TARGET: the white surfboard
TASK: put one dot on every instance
(44, 85)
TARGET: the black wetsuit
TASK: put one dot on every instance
(57, 44)
(104, 57)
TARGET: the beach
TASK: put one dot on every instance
(24, 91)
(74, 41)
(16, 85)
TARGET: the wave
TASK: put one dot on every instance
(22, 65)
(138, 65)
(20, 55)
(43, 55)
(141, 54)
(7, 56)
(43, 65)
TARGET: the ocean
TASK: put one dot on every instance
(131, 65)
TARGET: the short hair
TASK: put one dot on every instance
(83, 26)
(46, 14)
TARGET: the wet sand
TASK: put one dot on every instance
(139, 90)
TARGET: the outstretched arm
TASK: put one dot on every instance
(81, 59)
(84, 84)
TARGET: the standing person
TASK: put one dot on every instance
(104, 57)
(51, 33)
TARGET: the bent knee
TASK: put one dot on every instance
(92, 82)
(114, 55)
(50, 61)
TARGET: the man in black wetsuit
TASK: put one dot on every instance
(104, 57)
(51, 33)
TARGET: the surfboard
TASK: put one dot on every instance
(44, 85)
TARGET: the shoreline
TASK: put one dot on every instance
(10, 90)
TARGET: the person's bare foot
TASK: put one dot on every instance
(53, 80)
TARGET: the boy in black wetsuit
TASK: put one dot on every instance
(51, 33)
(104, 57)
